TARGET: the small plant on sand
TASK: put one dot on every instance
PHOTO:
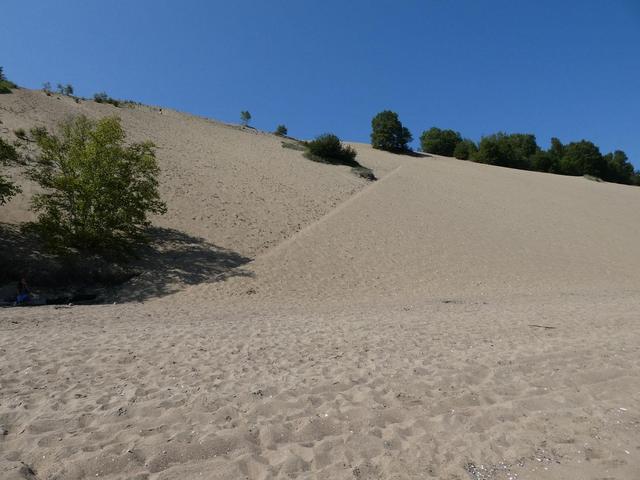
(98, 191)
(327, 148)
(8, 154)
(387, 133)
(46, 88)
(102, 97)
(66, 90)
(245, 118)
(281, 131)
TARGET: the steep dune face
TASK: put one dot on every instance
(233, 186)
(438, 227)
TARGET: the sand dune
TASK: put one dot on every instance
(450, 321)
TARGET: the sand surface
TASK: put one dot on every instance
(450, 321)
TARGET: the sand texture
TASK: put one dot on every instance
(449, 321)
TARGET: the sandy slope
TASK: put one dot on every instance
(235, 187)
(399, 334)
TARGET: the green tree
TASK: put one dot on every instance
(387, 133)
(583, 158)
(507, 150)
(465, 150)
(281, 131)
(245, 117)
(618, 168)
(98, 191)
(8, 154)
(439, 142)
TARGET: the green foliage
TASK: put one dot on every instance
(5, 84)
(281, 131)
(20, 133)
(245, 117)
(618, 168)
(102, 97)
(98, 191)
(439, 142)
(583, 158)
(465, 150)
(328, 148)
(387, 133)
(8, 154)
(507, 150)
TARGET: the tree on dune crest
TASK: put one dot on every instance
(388, 133)
(440, 142)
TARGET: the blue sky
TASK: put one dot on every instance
(552, 68)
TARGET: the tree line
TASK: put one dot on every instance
(520, 150)
(515, 150)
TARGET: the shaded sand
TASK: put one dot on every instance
(450, 321)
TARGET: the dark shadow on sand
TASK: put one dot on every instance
(169, 263)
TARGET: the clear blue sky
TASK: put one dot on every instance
(567, 68)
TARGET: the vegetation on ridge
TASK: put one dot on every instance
(521, 151)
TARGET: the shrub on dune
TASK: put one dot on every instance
(328, 148)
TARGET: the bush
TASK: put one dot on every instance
(281, 131)
(20, 133)
(102, 97)
(8, 154)
(98, 191)
(387, 133)
(328, 148)
(66, 90)
(440, 142)
(465, 150)
(245, 118)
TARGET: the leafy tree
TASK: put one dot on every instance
(618, 168)
(583, 158)
(387, 133)
(281, 131)
(97, 190)
(465, 150)
(327, 147)
(245, 117)
(46, 88)
(8, 189)
(439, 142)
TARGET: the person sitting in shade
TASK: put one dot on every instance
(24, 294)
